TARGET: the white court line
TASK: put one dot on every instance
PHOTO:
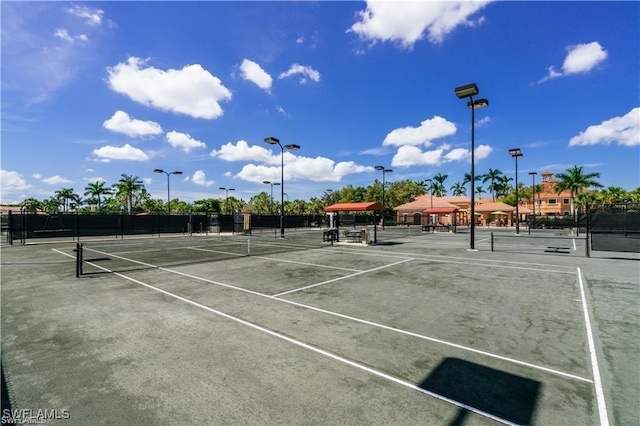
(597, 381)
(574, 244)
(316, 350)
(307, 264)
(483, 261)
(341, 278)
(373, 324)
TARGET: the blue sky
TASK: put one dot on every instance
(94, 90)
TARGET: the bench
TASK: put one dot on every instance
(428, 228)
(353, 236)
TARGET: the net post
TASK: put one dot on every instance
(78, 260)
(491, 240)
(248, 246)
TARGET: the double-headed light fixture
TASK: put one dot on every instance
(290, 147)
(226, 198)
(516, 153)
(463, 92)
(384, 171)
(168, 190)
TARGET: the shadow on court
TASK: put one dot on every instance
(510, 397)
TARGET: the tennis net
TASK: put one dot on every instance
(539, 244)
(135, 254)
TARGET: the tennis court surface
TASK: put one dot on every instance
(414, 330)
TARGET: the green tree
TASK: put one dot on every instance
(65, 195)
(437, 185)
(96, 190)
(614, 195)
(211, 205)
(51, 205)
(576, 181)
(493, 177)
(467, 178)
(261, 204)
(127, 188)
(458, 189)
(31, 205)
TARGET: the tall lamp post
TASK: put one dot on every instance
(516, 153)
(462, 92)
(384, 172)
(226, 198)
(272, 184)
(168, 190)
(533, 190)
(291, 147)
(431, 187)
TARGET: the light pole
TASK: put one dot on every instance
(384, 172)
(516, 153)
(272, 185)
(533, 190)
(291, 147)
(168, 190)
(430, 187)
(226, 198)
(462, 92)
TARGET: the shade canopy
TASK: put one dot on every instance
(354, 207)
(499, 213)
(440, 210)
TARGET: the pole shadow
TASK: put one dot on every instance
(507, 396)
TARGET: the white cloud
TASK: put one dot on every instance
(409, 21)
(36, 176)
(252, 72)
(56, 180)
(305, 71)
(483, 121)
(580, 59)
(407, 156)
(436, 127)
(319, 169)
(126, 152)
(199, 178)
(184, 141)
(11, 182)
(91, 16)
(95, 179)
(192, 90)
(624, 130)
(375, 151)
(241, 151)
(121, 122)
(63, 34)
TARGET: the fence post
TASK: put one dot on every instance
(587, 239)
(10, 228)
(491, 240)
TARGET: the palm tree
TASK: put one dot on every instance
(51, 205)
(128, 187)
(438, 185)
(614, 195)
(96, 189)
(64, 195)
(458, 189)
(467, 178)
(575, 181)
(31, 205)
(493, 176)
(480, 190)
(502, 186)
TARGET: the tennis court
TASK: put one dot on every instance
(416, 329)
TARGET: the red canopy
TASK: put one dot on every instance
(354, 207)
(440, 210)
